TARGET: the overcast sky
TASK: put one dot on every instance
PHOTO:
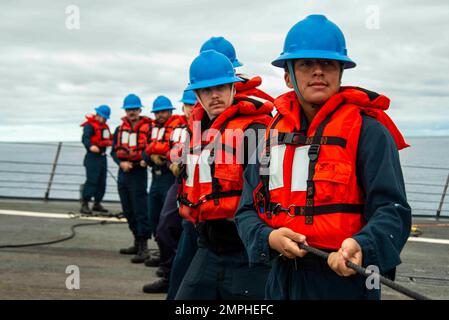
(52, 74)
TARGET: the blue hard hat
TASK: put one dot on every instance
(132, 102)
(209, 69)
(188, 97)
(315, 37)
(223, 46)
(103, 111)
(162, 103)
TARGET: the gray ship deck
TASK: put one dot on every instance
(39, 272)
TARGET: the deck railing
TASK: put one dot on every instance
(426, 198)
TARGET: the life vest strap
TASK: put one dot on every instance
(296, 138)
(276, 208)
(212, 196)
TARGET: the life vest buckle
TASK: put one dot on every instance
(278, 208)
(288, 211)
(202, 199)
(314, 150)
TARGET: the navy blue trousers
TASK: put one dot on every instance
(158, 192)
(132, 188)
(169, 230)
(187, 246)
(96, 174)
(304, 282)
(222, 277)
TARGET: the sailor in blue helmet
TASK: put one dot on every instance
(130, 139)
(248, 86)
(96, 138)
(322, 178)
(155, 155)
(169, 227)
(224, 46)
(187, 244)
(212, 178)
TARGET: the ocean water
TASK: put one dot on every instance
(25, 171)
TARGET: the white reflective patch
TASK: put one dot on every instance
(154, 133)
(300, 169)
(192, 160)
(176, 135)
(183, 135)
(277, 154)
(125, 137)
(204, 167)
(133, 139)
(161, 133)
(105, 134)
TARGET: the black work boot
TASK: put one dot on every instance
(85, 207)
(160, 273)
(142, 251)
(130, 250)
(152, 261)
(98, 207)
(157, 286)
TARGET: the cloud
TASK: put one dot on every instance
(53, 76)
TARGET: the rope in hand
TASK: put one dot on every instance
(364, 272)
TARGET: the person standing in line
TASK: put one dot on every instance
(96, 138)
(170, 227)
(130, 139)
(212, 181)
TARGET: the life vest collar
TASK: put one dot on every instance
(369, 102)
(90, 118)
(248, 84)
(143, 120)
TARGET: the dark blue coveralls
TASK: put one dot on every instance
(388, 226)
(96, 168)
(161, 181)
(185, 252)
(169, 230)
(220, 267)
(132, 189)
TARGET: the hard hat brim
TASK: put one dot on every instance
(133, 107)
(313, 54)
(236, 63)
(163, 109)
(213, 82)
(188, 101)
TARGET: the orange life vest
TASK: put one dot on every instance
(178, 138)
(249, 88)
(102, 135)
(213, 178)
(309, 182)
(159, 140)
(132, 141)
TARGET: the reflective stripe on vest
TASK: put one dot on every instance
(194, 160)
(106, 134)
(299, 168)
(157, 133)
(179, 135)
